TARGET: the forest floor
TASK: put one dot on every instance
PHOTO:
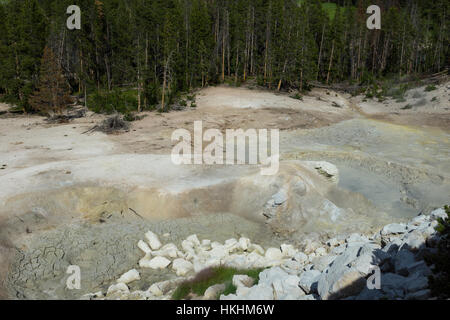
(63, 190)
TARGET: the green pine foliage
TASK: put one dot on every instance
(160, 49)
(440, 280)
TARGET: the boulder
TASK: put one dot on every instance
(301, 257)
(244, 243)
(419, 295)
(273, 254)
(308, 281)
(118, 288)
(155, 290)
(369, 255)
(144, 247)
(258, 292)
(153, 240)
(182, 266)
(393, 285)
(320, 251)
(256, 248)
(194, 240)
(394, 228)
(356, 238)
(129, 276)
(417, 221)
(288, 250)
(414, 240)
(169, 250)
(213, 292)
(321, 263)
(285, 286)
(156, 263)
(242, 281)
(340, 281)
(416, 283)
(188, 247)
(403, 261)
(438, 213)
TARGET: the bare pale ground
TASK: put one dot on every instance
(73, 198)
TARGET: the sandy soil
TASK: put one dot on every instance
(420, 108)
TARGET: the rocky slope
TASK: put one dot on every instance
(341, 268)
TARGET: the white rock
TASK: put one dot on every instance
(255, 260)
(415, 240)
(288, 250)
(144, 247)
(157, 263)
(258, 292)
(219, 252)
(193, 239)
(256, 248)
(244, 243)
(439, 213)
(309, 280)
(321, 263)
(242, 280)
(118, 288)
(206, 243)
(169, 250)
(153, 240)
(291, 266)
(301, 257)
(129, 276)
(311, 246)
(285, 286)
(155, 290)
(213, 292)
(273, 254)
(143, 262)
(230, 245)
(320, 251)
(340, 282)
(182, 267)
(215, 244)
(419, 220)
(394, 228)
(356, 238)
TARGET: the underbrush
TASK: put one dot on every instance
(439, 282)
(212, 276)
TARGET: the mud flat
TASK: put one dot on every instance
(69, 198)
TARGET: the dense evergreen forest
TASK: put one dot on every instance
(139, 54)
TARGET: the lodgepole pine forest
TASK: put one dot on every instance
(135, 55)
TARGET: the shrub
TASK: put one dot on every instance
(430, 87)
(297, 96)
(212, 276)
(122, 101)
(439, 282)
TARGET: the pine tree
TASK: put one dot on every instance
(52, 95)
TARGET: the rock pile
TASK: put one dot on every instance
(386, 265)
